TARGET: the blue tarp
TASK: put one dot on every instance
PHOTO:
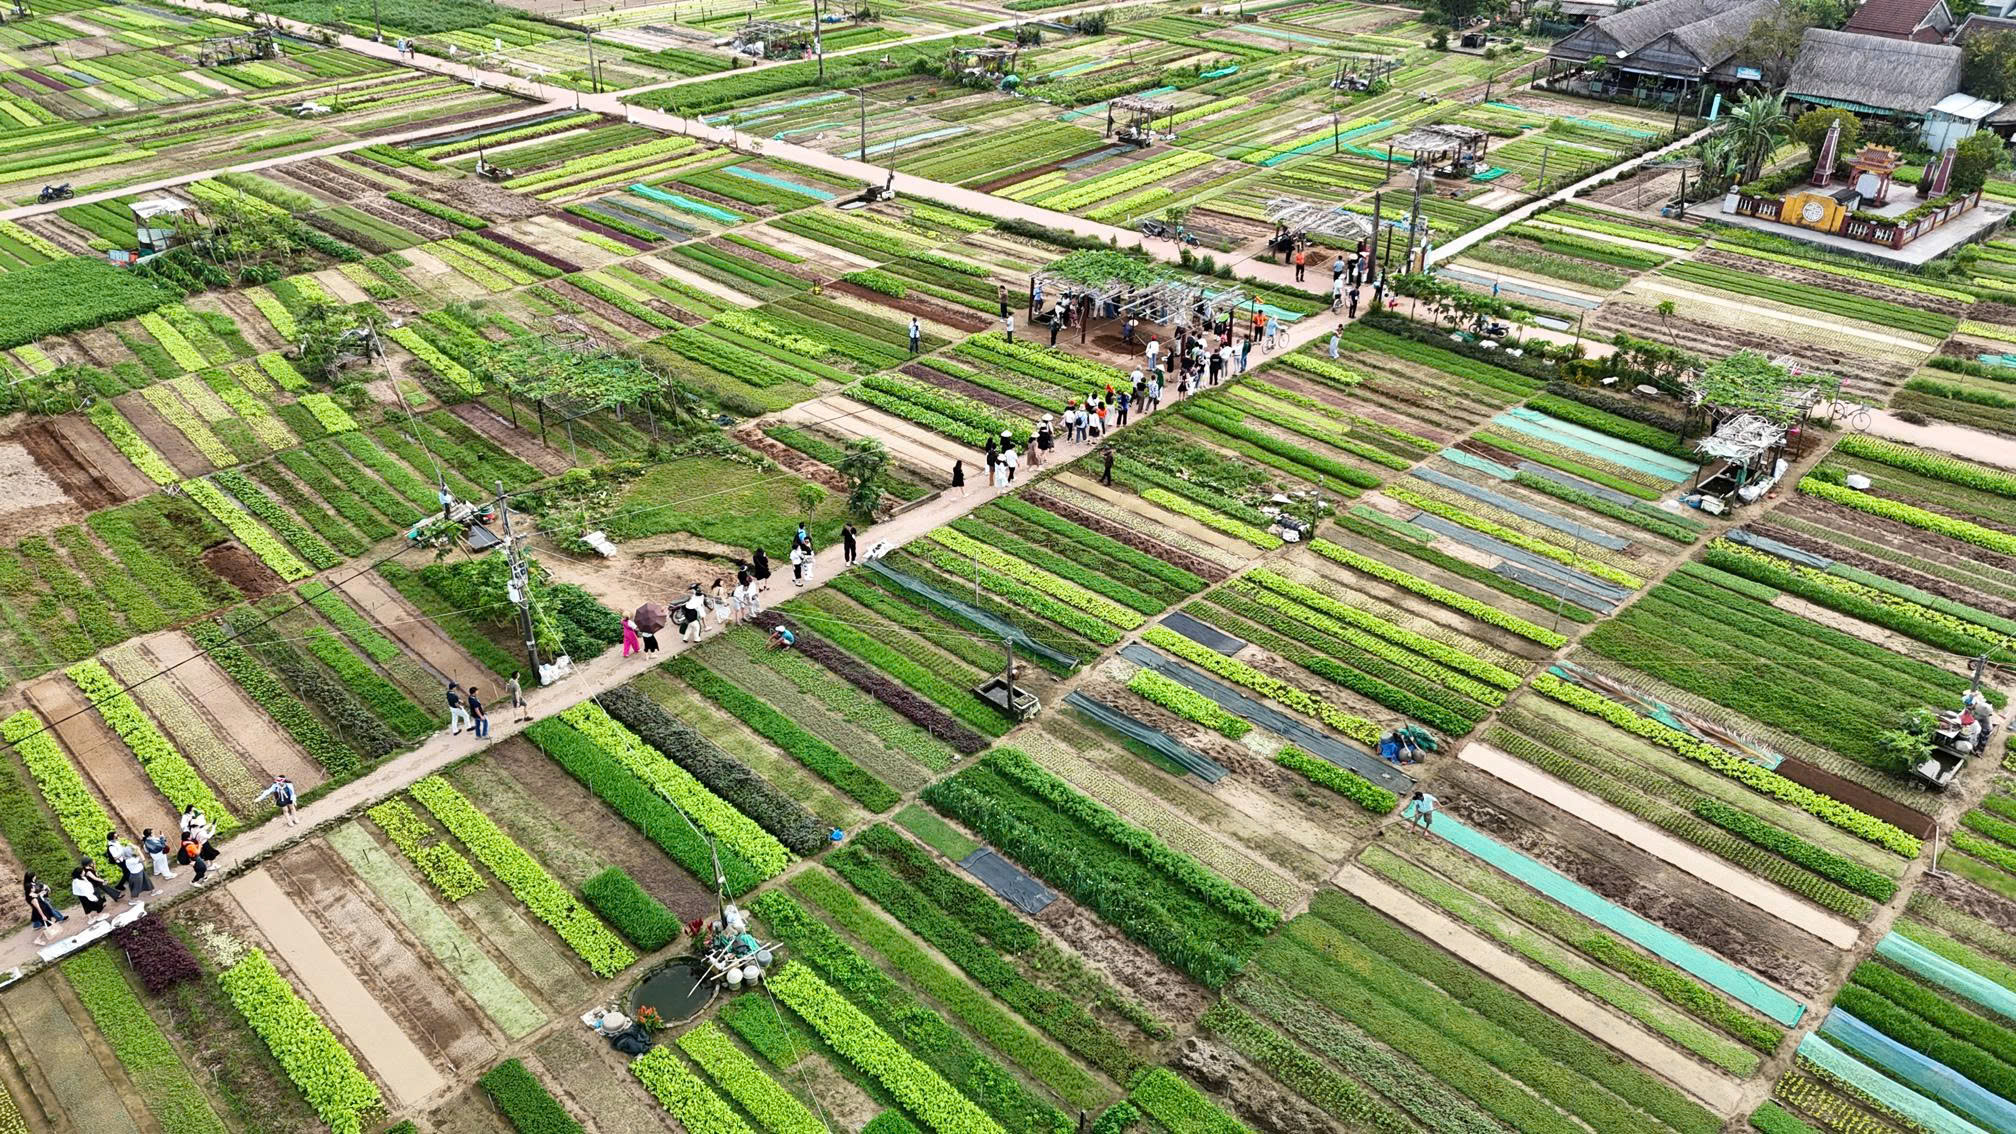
(1871, 1082)
(1660, 941)
(748, 174)
(1600, 445)
(1928, 1077)
(687, 203)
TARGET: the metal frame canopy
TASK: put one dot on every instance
(1298, 215)
(988, 60)
(1135, 287)
(771, 33)
(1443, 138)
(1742, 439)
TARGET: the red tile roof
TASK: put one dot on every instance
(1892, 19)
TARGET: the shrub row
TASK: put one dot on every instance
(524, 1100)
(642, 919)
(817, 755)
(442, 864)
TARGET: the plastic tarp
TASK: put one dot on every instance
(1305, 737)
(1521, 287)
(1612, 449)
(1748, 538)
(1866, 1079)
(1534, 468)
(899, 143)
(748, 114)
(1095, 157)
(1556, 586)
(690, 205)
(1540, 516)
(1200, 765)
(1519, 555)
(747, 174)
(1209, 637)
(972, 614)
(1477, 463)
(1654, 938)
(1920, 961)
(1008, 880)
(1928, 1077)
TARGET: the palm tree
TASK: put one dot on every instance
(1755, 128)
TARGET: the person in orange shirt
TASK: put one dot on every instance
(1301, 262)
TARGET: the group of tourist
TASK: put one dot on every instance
(465, 707)
(136, 866)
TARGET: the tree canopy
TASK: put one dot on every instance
(1810, 129)
(1989, 65)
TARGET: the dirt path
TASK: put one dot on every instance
(425, 1001)
(1942, 437)
(416, 635)
(1836, 931)
(399, 1065)
(215, 695)
(1722, 1094)
(102, 757)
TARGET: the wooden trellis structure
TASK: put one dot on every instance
(997, 62)
(1309, 218)
(1137, 116)
(223, 50)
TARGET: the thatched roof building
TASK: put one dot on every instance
(1616, 36)
(1897, 78)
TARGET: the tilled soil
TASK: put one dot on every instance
(404, 625)
(1202, 568)
(1958, 892)
(165, 438)
(316, 970)
(1888, 570)
(105, 464)
(103, 757)
(212, 693)
(1248, 1091)
(518, 442)
(915, 304)
(1863, 374)
(628, 323)
(46, 487)
(1169, 995)
(1741, 934)
(1843, 285)
(243, 570)
(470, 1112)
(592, 1080)
(1897, 534)
(63, 1072)
(426, 1003)
(563, 800)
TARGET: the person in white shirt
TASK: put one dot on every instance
(797, 566)
(1009, 462)
(1154, 349)
(1420, 809)
(696, 615)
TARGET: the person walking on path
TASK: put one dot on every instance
(1217, 366)
(717, 603)
(476, 713)
(631, 641)
(1154, 393)
(959, 477)
(1009, 463)
(1056, 321)
(157, 853)
(41, 911)
(1106, 466)
(1273, 326)
(517, 691)
(1245, 349)
(1153, 349)
(1335, 337)
(192, 816)
(1032, 455)
(135, 866)
(916, 335)
(1126, 399)
(1421, 810)
(1337, 295)
(1001, 293)
(1337, 269)
(458, 719)
(797, 566)
(1008, 326)
(1046, 435)
(759, 566)
(1301, 263)
(282, 790)
(1352, 308)
(88, 893)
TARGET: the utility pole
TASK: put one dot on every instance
(1414, 219)
(863, 92)
(377, 29)
(519, 589)
(594, 75)
(818, 41)
(1378, 198)
(1544, 151)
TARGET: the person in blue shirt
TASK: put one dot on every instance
(782, 638)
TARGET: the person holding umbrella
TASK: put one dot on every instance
(649, 619)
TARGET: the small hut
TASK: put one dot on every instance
(1446, 149)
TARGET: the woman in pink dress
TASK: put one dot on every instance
(631, 643)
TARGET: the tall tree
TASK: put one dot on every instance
(1774, 40)
(1990, 65)
(1756, 126)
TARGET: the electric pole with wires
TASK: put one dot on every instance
(519, 589)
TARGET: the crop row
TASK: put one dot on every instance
(1186, 703)
(642, 919)
(130, 444)
(1056, 587)
(77, 810)
(1823, 807)
(1962, 530)
(1488, 681)
(1436, 592)
(1056, 1014)
(544, 895)
(1238, 672)
(1914, 320)
(524, 1100)
(956, 566)
(311, 1055)
(166, 767)
(385, 700)
(928, 689)
(336, 757)
(1468, 517)
(441, 863)
(776, 1109)
(809, 750)
(1947, 631)
(1238, 529)
(684, 1095)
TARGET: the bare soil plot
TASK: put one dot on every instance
(591, 1080)
(406, 626)
(103, 757)
(424, 1001)
(518, 442)
(1742, 935)
(213, 694)
(574, 809)
(46, 487)
(345, 1004)
(104, 464)
(165, 438)
(470, 1112)
(246, 572)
